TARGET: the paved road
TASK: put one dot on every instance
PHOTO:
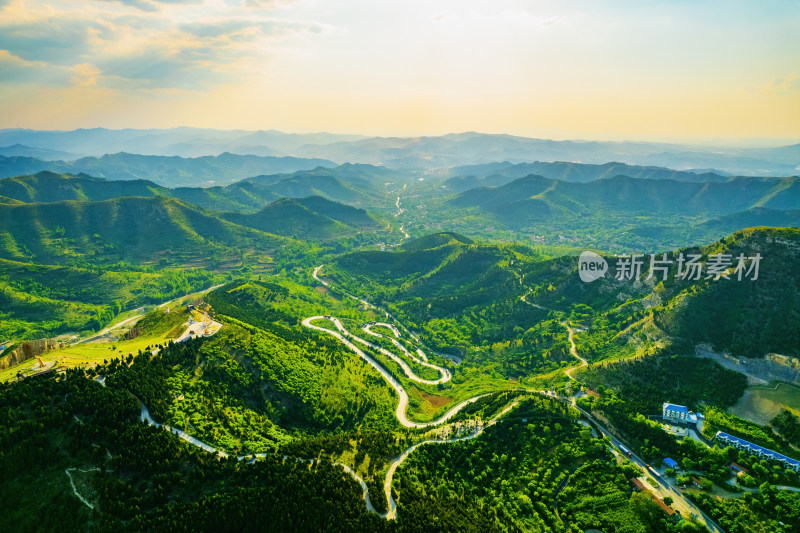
(402, 406)
(136, 317)
(422, 360)
(182, 434)
(387, 483)
(456, 360)
(107, 330)
(680, 501)
(572, 348)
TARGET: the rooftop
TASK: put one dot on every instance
(639, 485)
(678, 408)
(665, 507)
(755, 447)
(672, 463)
(738, 467)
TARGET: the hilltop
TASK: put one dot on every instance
(167, 171)
(310, 217)
(135, 229)
(349, 184)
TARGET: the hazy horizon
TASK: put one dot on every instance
(732, 142)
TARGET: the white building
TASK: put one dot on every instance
(758, 451)
(675, 413)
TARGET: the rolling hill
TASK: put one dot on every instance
(458, 294)
(623, 213)
(166, 171)
(135, 229)
(350, 184)
(312, 217)
(497, 174)
(748, 317)
(406, 152)
(621, 194)
(46, 186)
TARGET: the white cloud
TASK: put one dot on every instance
(788, 84)
(85, 75)
(178, 43)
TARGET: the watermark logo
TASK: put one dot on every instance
(684, 267)
(591, 266)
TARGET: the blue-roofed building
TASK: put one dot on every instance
(671, 463)
(758, 451)
(676, 413)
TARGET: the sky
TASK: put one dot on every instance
(592, 69)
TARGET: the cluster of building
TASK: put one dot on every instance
(681, 414)
(758, 451)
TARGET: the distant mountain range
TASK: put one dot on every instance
(20, 150)
(658, 209)
(537, 196)
(496, 174)
(168, 171)
(186, 142)
(51, 218)
(627, 212)
(351, 184)
(409, 152)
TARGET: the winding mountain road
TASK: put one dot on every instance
(574, 351)
(350, 340)
(402, 406)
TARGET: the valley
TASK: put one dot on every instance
(423, 267)
(416, 345)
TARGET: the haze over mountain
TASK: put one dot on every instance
(496, 174)
(184, 142)
(20, 150)
(410, 152)
(538, 196)
(169, 171)
(350, 184)
(542, 222)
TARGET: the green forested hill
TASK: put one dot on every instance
(346, 187)
(749, 318)
(140, 230)
(139, 478)
(312, 217)
(461, 297)
(622, 213)
(621, 194)
(165, 170)
(349, 184)
(746, 318)
(495, 174)
(48, 186)
(42, 300)
(467, 295)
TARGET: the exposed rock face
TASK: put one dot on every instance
(131, 334)
(27, 350)
(772, 367)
